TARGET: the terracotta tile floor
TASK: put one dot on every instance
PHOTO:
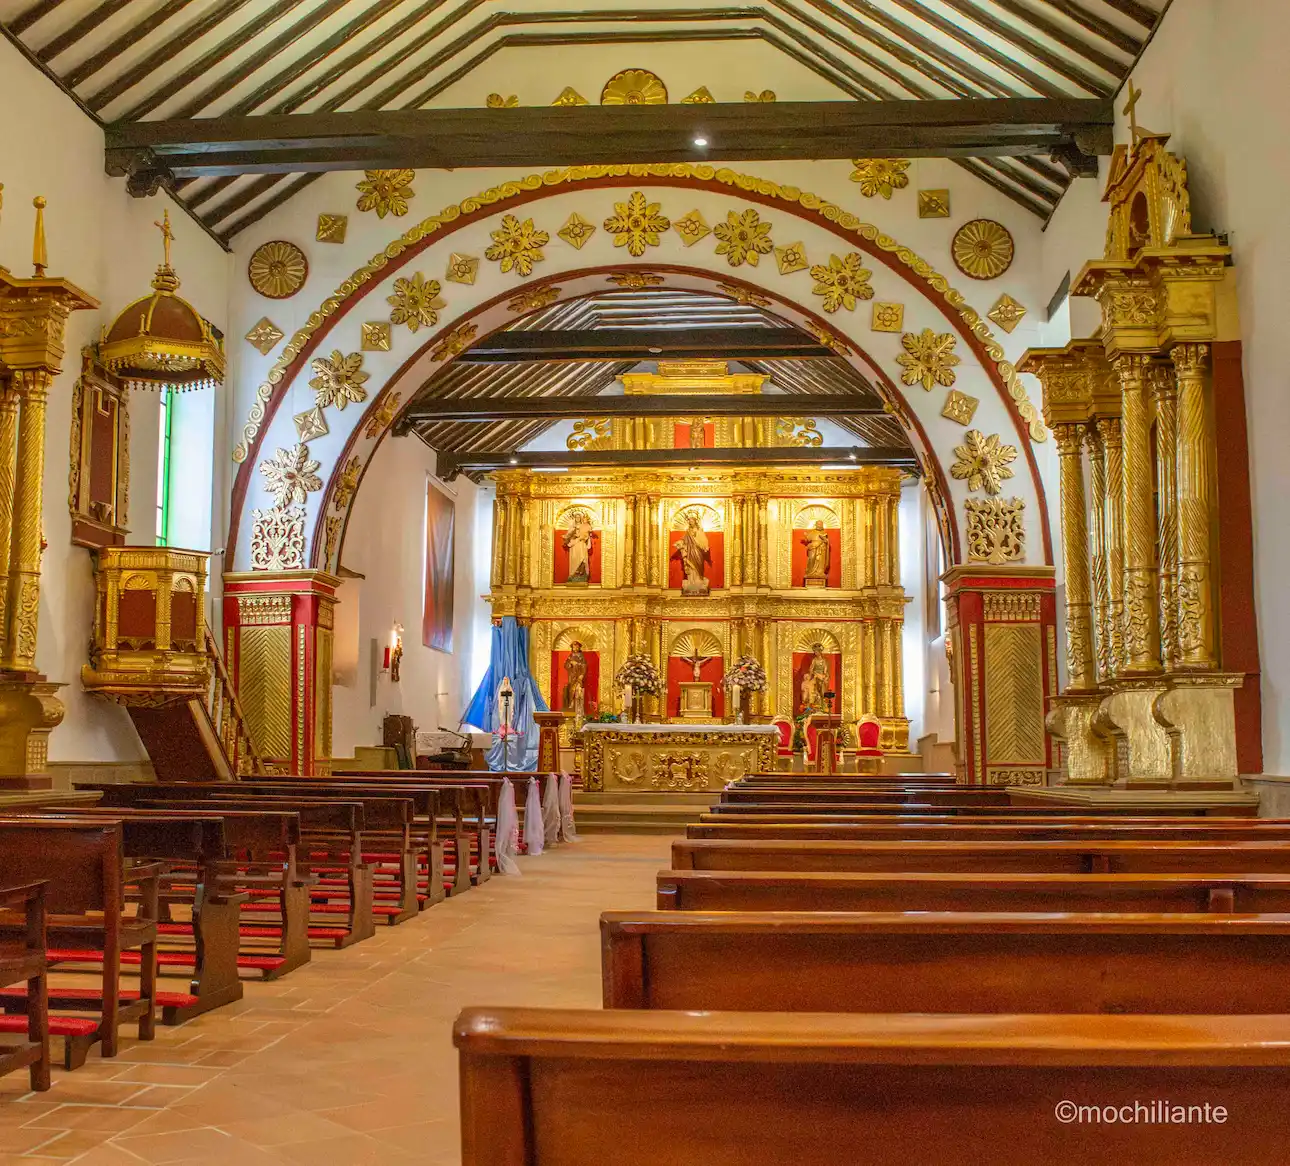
(348, 1060)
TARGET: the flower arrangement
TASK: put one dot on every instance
(602, 719)
(747, 673)
(640, 673)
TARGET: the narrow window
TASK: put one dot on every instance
(163, 469)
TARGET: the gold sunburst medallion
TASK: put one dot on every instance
(278, 269)
(634, 87)
(982, 249)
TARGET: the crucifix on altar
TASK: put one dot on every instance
(696, 694)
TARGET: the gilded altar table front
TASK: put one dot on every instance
(683, 758)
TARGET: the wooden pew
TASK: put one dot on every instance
(410, 846)
(841, 811)
(22, 961)
(945, 962)
(1056, 830)
(1088, 857)
(779, 777)
(567, 1088)
(152, 836)
(780, 795)
(82, 862)
(331, 840)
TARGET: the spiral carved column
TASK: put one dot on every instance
(8, 484)
(1079, 621)
(1164, 392)
(1141, 595)
(1195, 485)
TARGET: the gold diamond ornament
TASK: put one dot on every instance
(887, 317)
(264, 336)
(691, 227)
(332, 228)
(576, 231)
(960, 407)
(933, 204)
(1006, 312)
(462, 268)
(375, 336)
(791, 258)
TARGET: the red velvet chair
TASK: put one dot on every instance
(869, 753)
(784, 746)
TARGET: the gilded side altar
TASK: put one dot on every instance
(674, 757)
(695, 568)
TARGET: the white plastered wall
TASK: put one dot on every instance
(385, 544)
(102, 240)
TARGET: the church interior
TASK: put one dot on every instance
(580, 581)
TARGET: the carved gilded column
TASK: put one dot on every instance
(512, 560)
(763, 541)
(1164, 393)
(735, 565)
(497, 571)
(1097, 557)
(1197, 642)
(642, 539)
(893, 538)
(1079, 630)
(526, 541)
(1141, 596)
(629, 541)
(8, 484)
(654, 558)
(18, 652)
(1108, 429)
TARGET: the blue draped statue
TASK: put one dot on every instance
(509, 657)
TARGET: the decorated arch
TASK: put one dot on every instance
(480, 265)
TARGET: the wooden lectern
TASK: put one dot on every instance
(826, 742)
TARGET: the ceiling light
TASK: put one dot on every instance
(549, 469)
(656, 351)
(700, 141)
(515, 461)
(841, 466)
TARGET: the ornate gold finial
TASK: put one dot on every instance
(1131, 112)
(39, 252)
(166, 233)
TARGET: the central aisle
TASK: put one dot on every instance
(350, 1060)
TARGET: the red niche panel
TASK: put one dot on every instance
(834, 577)
(679, 670)
(591, 684)
(801, 662)
(560, 561)
(714, 569)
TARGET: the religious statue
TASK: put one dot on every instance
(575, 680)
(819, 554)
(696, 660)
(698, 436)
(815, 682)
(578, 541)
(692, 549)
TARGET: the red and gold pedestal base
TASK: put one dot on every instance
(1003, 644)
(278, 630)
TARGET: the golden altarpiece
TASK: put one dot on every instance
(796, 567)
(1148, 416)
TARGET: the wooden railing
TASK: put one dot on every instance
(225, 712)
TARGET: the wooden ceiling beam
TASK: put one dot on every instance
(551, 136)
(451, 464)
(636, 344)
(433, 410)
(83, 27)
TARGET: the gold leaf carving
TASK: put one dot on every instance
(517, 245)
(376, 336)
(960, 407)
(844, 281)
(332, 228)
(744, 238)
(983, 462)
(415, 301)
(933, 204)
(338, 379)
(1007, 312)
(636, 224)
(387, 192)
(462, 268)
(880, 175)
(456, 342)
(996, 531)
(928, 359)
